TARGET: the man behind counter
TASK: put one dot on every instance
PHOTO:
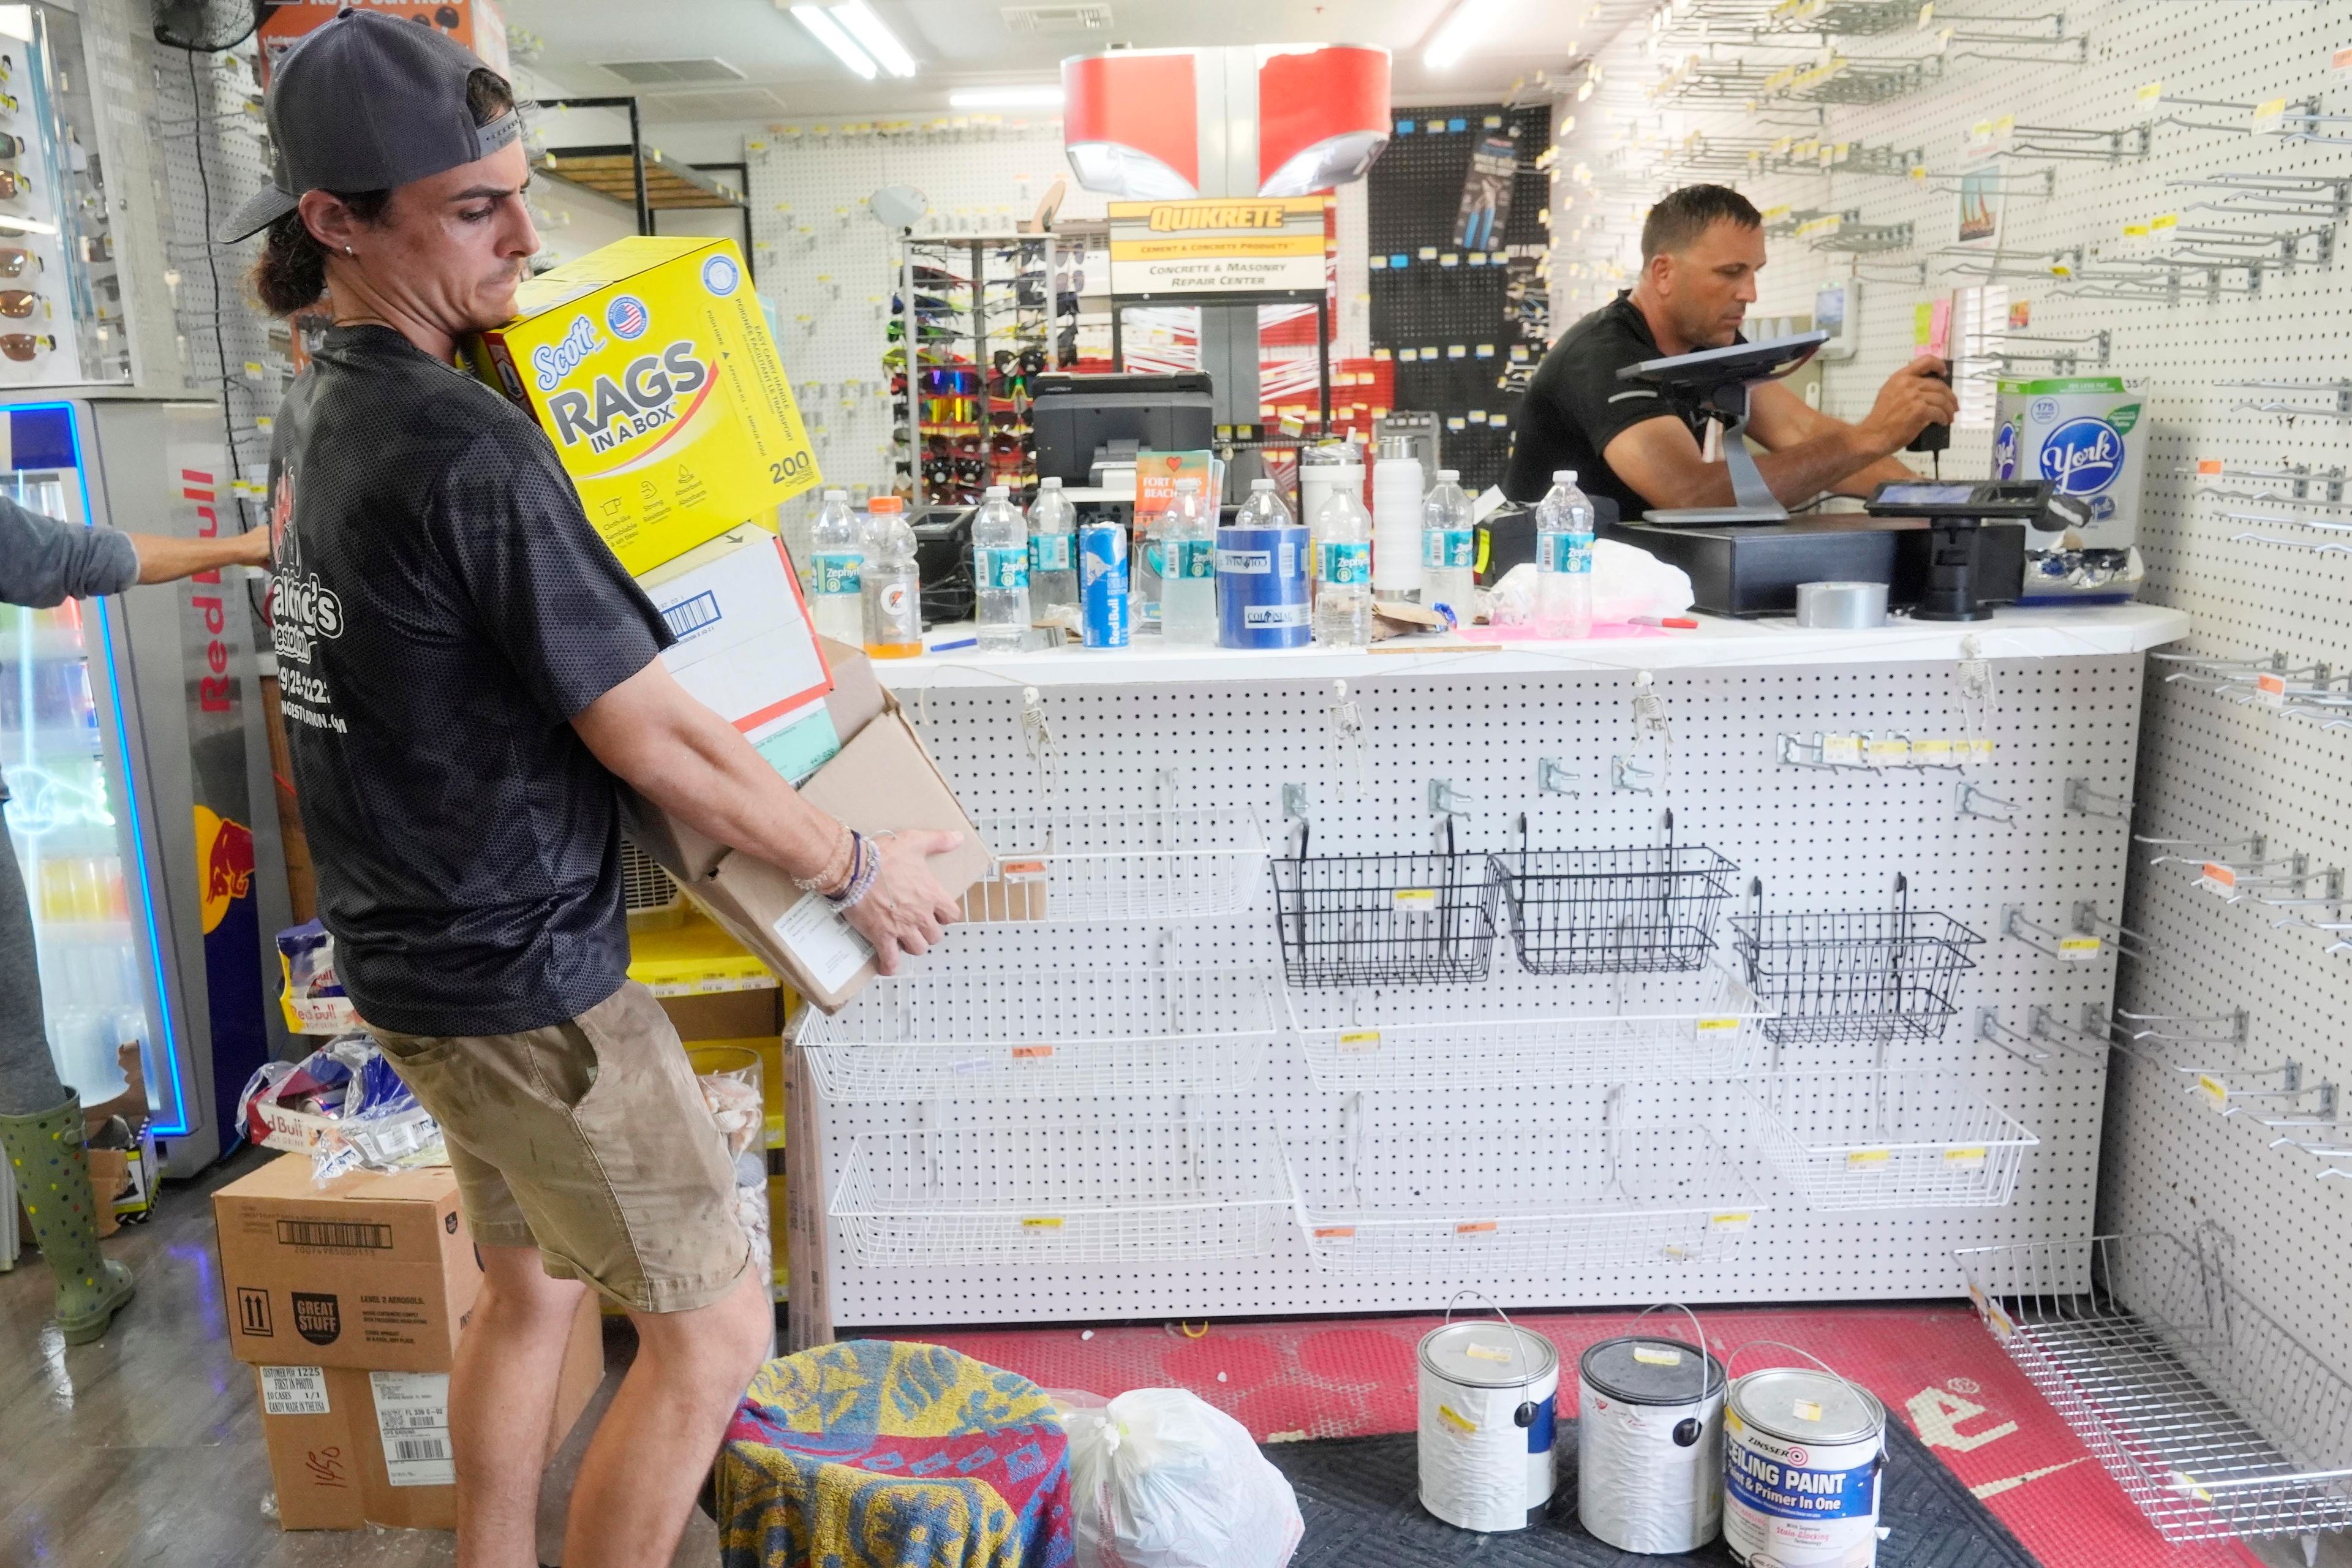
(1701, 249)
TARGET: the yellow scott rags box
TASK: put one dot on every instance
(650, 366)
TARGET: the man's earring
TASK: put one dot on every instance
(348, 251)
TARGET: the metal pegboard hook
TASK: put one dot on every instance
(1037, 737)
(1972, 801)
(1352, 761)
(2081, 800)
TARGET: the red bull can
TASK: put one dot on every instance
(1102, 584)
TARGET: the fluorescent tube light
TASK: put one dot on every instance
(874, 38)
(827, 31)
(1043, 97)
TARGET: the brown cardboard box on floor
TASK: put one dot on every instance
(348, 1300)
(881, 781)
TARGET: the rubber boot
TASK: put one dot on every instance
(52, 1174)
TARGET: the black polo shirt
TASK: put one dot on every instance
(1575, 406)
(442, 611)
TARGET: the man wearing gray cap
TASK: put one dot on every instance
(467, 672)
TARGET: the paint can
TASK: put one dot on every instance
(1802, 1453)
(1102, 578)
(1486, 1423)
(1261, 588)
(1649, 1444)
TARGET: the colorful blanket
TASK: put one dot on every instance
(876, 1454)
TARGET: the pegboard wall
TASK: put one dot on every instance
(2208, 771)
(1818, 840)
(1440, 306)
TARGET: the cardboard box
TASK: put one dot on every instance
(746, 648)
(348, 1300)
(650, 366)
(881, 781)
(349, 1447)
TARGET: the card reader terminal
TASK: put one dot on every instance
(1954, 509)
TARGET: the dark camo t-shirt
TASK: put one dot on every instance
(441, 610)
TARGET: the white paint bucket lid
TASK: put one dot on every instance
(1639, 1368)
(1802, 1405)
(1480, 1354)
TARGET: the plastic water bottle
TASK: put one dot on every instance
(836, 568)
(1264, 508)
(1343, 586)
(1053, 554)
(1000, 570)
(893, 585)
(1564, 560)
(1188, 597)
(1448, 549)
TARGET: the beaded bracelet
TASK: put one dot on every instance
(837, 866)
(867, 867)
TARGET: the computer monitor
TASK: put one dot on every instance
(1080, 420)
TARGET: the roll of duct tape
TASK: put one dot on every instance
(1841, 606)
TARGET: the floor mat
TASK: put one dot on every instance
(1940, 1373)
(1357, 1495)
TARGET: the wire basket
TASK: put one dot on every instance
(1574, 1198)
(1384, 920)
(1888, 1140)
(1613, 912)
(1881, 976)
(1702, 1024)
(1071, 866)
(2213, 1419)
(989, 1035)
(1059, 1195)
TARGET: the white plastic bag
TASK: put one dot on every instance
(1159, 1478)
(1626, 582)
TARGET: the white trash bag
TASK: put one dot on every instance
(1159, 1478)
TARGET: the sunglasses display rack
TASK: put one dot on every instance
(972, 320)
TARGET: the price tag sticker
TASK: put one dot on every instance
(1719, 1025)
(1977, 749)
(1477, 1352)
(1428, 253)
(1806, 1409)
(1457, 350)
(1451, 258)
(1360, 1040)
(2340, 61)
(1999, 1322)
(1380, 354)
(1455, 422)
(1033, 1053)
(1977, 1295)
(1042, 1223)
(2269, 115)
(1377, 263)
(2270, 689)
(1972, 1155)
(1335, 1233)
(1934, 751)
(2078, 948)
(2147, 96)
(1657, 1355)
(1845, 751)
(2214, 1089)
(1735, 1219)
(1023, 870)
(1483, 351)
(1414, 899)
(1886, 753)
(1868, 1159)
(1476, 1227)
(2216, 877)
(2208, 467)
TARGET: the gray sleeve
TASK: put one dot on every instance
(44, 562)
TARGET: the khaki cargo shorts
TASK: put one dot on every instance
(590, 1141)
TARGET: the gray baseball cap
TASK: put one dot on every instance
(367, 103)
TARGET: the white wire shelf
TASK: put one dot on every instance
(1071, 865)
(1699, 1024)
(1061, 1195)
(998, 1034)
(1624, 1197)
(2213, 1419)
(1875, 1140)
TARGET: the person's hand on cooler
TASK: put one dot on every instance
(1917, 395)
(883, 886)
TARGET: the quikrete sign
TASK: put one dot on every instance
(1217, 244)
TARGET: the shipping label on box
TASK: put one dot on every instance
(745, 648)
(651, 368)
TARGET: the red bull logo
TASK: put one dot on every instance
(224, 863)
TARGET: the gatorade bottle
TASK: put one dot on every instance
(1000, 572)
(1343, 587)
(894, 587)
(1053, 554)
(1448, 579)
(1188, 597)
(1564, 560)
(837, 569)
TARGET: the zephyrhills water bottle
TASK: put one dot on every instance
(836, 570)
(893, 583)
(1188, 594)
(1564, 560)
(1343, 586)
(1054, 554)
(1264, 508)
(1000, 570)
(1448, 550)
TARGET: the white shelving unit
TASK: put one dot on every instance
(1892, 1140)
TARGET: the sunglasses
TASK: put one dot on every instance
(18, 302)
(13, 183)
(14, 259)
(22, 346)
(11, 146)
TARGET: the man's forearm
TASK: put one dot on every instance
(164, 559)
(716, 784)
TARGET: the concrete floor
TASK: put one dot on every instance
(145, 1448)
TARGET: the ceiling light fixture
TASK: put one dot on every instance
(1454, 36)
(875, 38)
(1040, 97)
(827, 31)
